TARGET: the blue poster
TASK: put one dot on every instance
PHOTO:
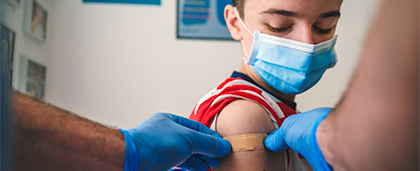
(150, 2)
(202, 19)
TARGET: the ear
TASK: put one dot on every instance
(232, 22)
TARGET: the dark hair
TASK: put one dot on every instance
(239, 4)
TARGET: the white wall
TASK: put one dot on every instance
(119, 64)
(13, 18)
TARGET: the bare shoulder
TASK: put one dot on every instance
(246, 117)
(243, 117)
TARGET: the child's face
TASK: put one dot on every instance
(308, 21)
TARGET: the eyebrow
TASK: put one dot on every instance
(280, 12)
(334, 13)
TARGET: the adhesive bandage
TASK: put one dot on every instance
(247, 142)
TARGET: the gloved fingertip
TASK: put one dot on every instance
(226, 147)
(268, 142)
(275, 143)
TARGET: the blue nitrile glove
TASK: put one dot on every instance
(166, 140)
(298, 132)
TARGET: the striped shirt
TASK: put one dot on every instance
(239, 86)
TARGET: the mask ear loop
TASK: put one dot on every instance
(246, 53)
(242, 22)
(246, 58)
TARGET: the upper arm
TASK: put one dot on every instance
(246, 117)
(376, 127)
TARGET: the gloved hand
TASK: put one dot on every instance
(166, 140)
(298, 132)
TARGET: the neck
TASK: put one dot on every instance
(247, 70)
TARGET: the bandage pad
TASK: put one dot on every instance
(246, 142)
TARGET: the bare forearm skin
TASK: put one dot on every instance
(49, 138)
(375, 127)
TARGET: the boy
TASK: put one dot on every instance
(287, 45)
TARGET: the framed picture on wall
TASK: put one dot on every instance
(202, 19)
(7, 52)
(148, 2)
(15, 3)
(36, 20)
(32, 77)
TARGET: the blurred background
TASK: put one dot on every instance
(118, 64)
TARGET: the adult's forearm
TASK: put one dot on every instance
(48, 138)
(375, 127)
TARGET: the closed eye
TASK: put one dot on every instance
(322, 31)
(278, 30)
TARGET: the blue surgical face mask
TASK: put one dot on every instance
(289, 66)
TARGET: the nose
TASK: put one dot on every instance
(305, 35)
